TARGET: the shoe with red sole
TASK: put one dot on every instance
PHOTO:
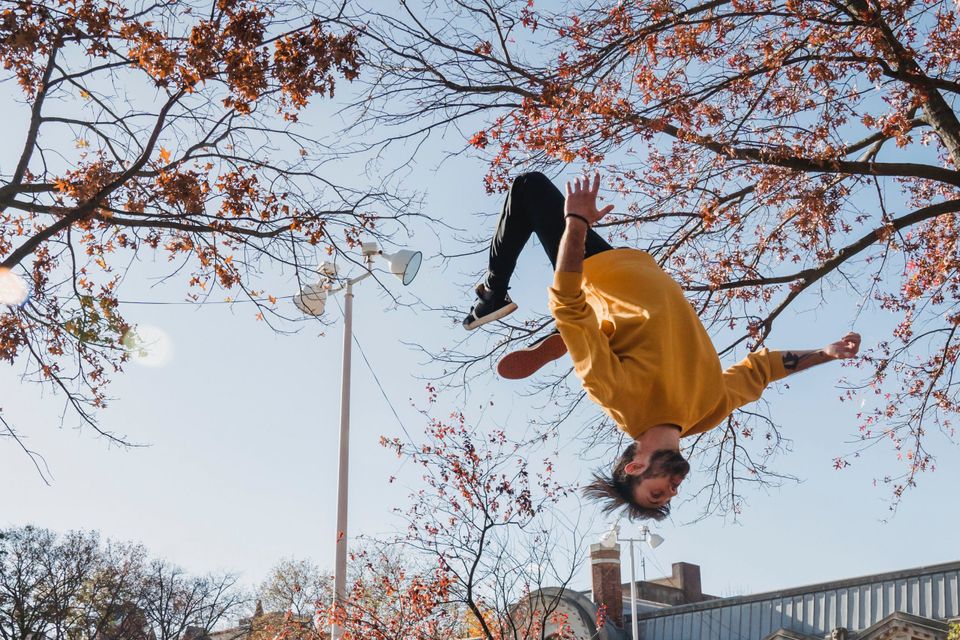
(525, 362)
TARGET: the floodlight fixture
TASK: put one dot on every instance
(404, 264)
(328, 269)
(312, 299)
(611, 538)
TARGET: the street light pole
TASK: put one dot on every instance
(404, 264)
(633, 595)
(610, 540)
(343, 476)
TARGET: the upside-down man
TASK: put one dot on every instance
(637, 344)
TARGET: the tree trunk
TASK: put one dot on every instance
(936, 111)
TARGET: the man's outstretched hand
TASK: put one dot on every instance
(582, 199)
(581, 213)
(845, 347)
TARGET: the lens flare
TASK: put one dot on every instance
(148, 346)
(13, 288)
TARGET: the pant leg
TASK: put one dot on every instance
(533, 205)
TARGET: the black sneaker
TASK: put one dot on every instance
(490, 306)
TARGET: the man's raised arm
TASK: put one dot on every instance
(846, 347)
(596, 365)
(746, 380)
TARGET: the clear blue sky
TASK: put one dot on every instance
(242, 432)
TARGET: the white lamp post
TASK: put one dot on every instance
(610, 540)
(312, 299)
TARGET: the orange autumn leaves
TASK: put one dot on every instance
(29, 30)
(232, 48)
(235, 47)
(388, 600)
(301, 58)
(171, 111)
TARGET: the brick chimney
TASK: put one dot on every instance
(688, 577)
(682, 587)
(605, 567)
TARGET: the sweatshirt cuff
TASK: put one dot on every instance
(567, 283)
(777, 370)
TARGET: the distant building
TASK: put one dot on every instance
(914, 604)
(267, 626)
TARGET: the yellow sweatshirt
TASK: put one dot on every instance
(642, 352)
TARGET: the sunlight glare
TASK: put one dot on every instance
(148, 346)
(13, 289)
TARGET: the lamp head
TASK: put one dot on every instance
(611, 538)
(404, 264)
(312, 299)
(654, 540)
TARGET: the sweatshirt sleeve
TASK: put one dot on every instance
(596, 365)
(746, 380)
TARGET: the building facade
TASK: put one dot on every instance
(913, 604)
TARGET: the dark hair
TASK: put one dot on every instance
(616, 490)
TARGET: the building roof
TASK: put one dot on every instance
(855, 604)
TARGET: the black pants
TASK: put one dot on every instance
(533, 205)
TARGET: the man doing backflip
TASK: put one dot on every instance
(637, 344)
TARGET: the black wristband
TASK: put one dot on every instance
(578, 217)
